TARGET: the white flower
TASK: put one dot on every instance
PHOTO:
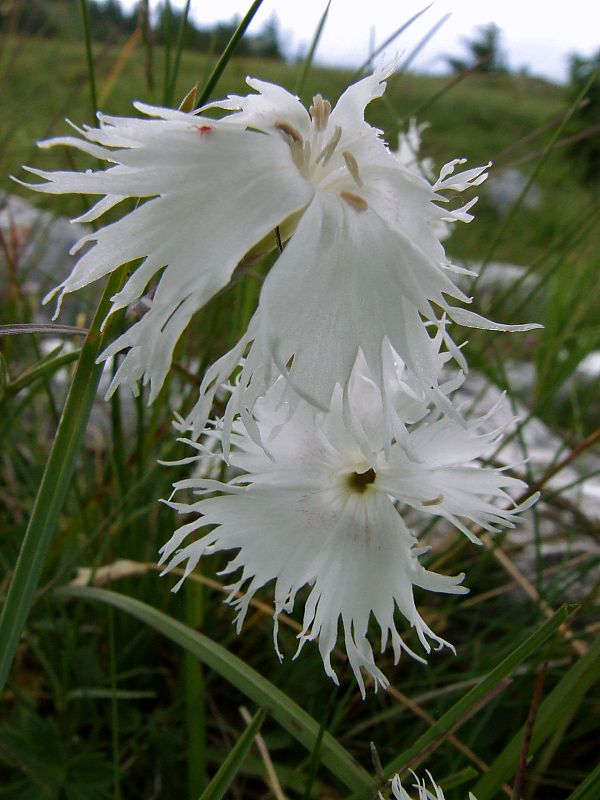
(400, 793)
(363, 268)
(321, 510)
(362, 262)
(407, 153)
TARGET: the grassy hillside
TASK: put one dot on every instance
(100, 706)
(44, 81)
(506, 119)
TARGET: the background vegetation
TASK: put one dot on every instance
(100, 705)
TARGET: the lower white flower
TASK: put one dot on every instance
(400, 793)
(320, 509)
(407, 153)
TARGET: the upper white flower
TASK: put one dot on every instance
(321, 508)
(362, 263)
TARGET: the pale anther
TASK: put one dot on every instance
(300, 150)
(319, 112)
(329, 148)
(289, 130)
(352, 165)
(434, 501)
(356, 201)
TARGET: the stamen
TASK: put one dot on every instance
(329, 148)
(434, 502)
(289, 130)
(355, 200)
(352, 165)
(319, 112)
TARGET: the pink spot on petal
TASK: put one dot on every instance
(205, 130)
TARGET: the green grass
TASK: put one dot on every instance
(94, 692)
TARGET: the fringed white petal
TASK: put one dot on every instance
(214, 195)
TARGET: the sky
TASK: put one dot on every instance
(536, 34)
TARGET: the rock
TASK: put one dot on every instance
(568, 512)
(504, 187)
(39, 245)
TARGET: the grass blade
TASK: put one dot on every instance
(42, 369)
(195, 701)
(177, 55)
(236, 672)
(230, 767)
(49, 328)
(446, 722)
(388, 41)
(508, 219)
(589, 789)
(311, 50)
(87, 37)
(565, 696)
(55, 482)
(228, 52)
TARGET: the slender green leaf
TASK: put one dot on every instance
(228, 52)
(55, 482)
(287, 713)
(42, 369)
(49, 328)
(194, 689)
(311, 50)
(315, 756)
(4, 376)
(87, 37)
(389, 41)
(230, 767)
(589, 789)
(439, 731)
(166, 20)
(566, 695)
(177, 54)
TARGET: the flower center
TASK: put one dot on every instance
(317, 157)
(359, 481)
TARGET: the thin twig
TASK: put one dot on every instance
(272, 778)
(584, 445)
(536, 699)
(578, 646)
(447, 86)
(431, 746)
(454, 740)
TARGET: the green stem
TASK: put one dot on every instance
(228, 52)
(54, 485)
(114, 708)
(177, 56)
(311, 52)
(85, 19)
(195, 713)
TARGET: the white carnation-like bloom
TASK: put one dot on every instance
(407, 152)
(322, 509)
(409, 145)
(400, 793)
(361, 264)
